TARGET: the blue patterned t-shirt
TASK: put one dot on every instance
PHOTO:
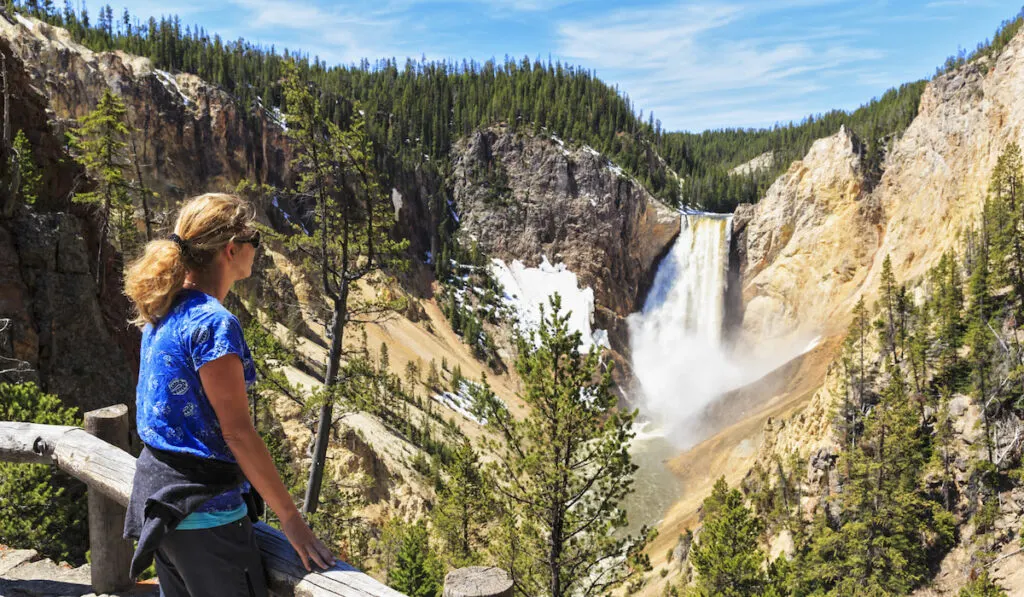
(173, 413)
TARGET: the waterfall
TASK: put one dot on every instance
(676, 340)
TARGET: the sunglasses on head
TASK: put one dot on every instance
(253, 240)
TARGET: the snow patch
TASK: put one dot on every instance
(464, 403)
(561, 144)
(455, 214)
(460, 403)
(279, 118)
(527, 290)
(171, 84)
(26, 22)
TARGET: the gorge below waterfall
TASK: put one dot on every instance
(682, 363)
(678, 358)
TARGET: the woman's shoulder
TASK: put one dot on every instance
(199, 308)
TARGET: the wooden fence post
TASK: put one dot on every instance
(111, 555)
(478, 581)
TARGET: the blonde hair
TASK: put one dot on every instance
(205, 225)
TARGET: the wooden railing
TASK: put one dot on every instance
(96, 456)
(108, 471)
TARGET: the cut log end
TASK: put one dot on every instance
(478, 581)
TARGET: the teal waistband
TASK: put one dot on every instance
(209, 520)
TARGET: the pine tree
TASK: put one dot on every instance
(1004, 209)
(726, 554)
(566, 467)
(979, 339)
(101, 142)
(416, 571)
(24, 167)
(349, 239)
(433, 377)
(889, 321)
(463, 507)
(948, 303)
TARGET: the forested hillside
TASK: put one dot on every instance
(418, 109)
(921, 471)
(703, 160)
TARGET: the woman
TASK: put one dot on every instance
(188, 506)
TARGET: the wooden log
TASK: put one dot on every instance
(29, 443)
(111, 555)
(111, 471)
(103, 467)
(288, 578)
(478, 581)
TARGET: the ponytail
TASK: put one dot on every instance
(152, 281)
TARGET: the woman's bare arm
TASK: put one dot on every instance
(224, 383)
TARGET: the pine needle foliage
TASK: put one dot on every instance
(726, 555)
(100, 143)
(416, 571)
(564, 470)
(41, 508)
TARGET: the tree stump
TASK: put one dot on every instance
(111, 555)
(478, 581)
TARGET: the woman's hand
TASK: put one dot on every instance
(309, 548)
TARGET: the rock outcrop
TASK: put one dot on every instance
(58, 326)
(762, 162)
(816, 242)
(55, 329)
(526, 197)
(807, 246)
(190, 136)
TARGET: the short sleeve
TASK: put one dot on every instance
(214, 335)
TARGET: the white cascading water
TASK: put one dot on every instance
(676, 341)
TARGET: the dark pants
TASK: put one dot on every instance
(219, 562)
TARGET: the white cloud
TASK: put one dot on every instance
(686, 62)
(336, 34)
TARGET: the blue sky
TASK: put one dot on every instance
(698, 64)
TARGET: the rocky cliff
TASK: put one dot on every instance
(816, 242)
(190, 137)
(53, 328)
(526, 197)
(806, 248)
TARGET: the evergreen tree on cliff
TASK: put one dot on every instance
(347, 239)
(565, 469)
(101, 144)
(463, 507)
(726, 555)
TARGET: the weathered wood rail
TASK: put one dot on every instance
(109, 471)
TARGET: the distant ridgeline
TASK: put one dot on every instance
(703, 160)
(419, 109)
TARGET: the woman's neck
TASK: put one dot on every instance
(216, 286)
